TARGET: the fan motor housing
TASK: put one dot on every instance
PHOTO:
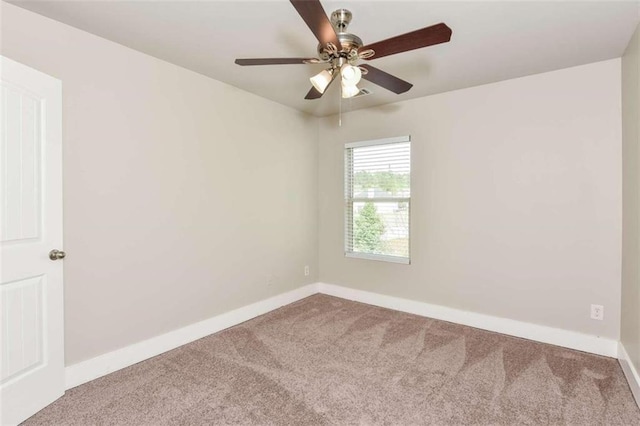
(348, 42)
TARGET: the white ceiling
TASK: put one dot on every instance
(491, 41)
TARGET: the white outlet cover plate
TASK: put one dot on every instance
(597, 312)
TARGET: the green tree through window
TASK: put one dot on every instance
(369, 227)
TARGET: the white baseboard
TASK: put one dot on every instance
(102, 365)
(630, 372)
(540, 333)
(99, 366)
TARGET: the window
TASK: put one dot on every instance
(378, 199)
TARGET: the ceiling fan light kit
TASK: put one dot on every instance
(350, 74)
(343, 50)
(321, 80)
(349, 91)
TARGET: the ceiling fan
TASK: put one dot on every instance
(342, 51)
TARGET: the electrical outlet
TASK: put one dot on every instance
(306, 270)
(597, 312)
(269, 280)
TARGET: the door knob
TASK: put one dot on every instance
(56, 254)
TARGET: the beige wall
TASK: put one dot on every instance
(630, 319)
(182, 195)
(516, 198)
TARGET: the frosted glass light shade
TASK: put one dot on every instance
(349, 90)
(350, 75)
(321, 80)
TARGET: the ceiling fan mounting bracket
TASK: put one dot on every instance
(340, 20)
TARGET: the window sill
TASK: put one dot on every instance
(379, 257)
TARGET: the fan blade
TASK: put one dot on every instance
(428, 36)
(274, 61)
(313, 14)
(385, 80)
(315, 94)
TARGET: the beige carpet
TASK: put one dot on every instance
(325, 360)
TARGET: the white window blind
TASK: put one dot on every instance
(378, 199)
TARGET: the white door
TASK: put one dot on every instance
(31, 299)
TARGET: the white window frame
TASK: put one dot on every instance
(349, 200)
